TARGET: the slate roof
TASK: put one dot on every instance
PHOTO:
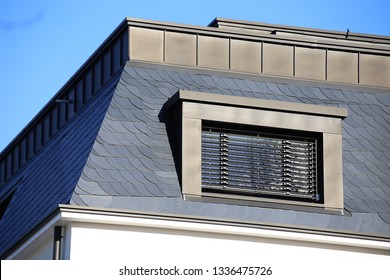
(50, 177)
(132, 156)
(116, 154)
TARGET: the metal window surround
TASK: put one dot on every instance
(260, 164)
(199, 109)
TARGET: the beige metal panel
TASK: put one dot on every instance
(333, 171)
(375, 70)
(245, 56)
(146, 44)
(262, 118)
(278, 60)
(180, 48)
(191, 156)
(213, 52)
(310, 63)
(342, 67)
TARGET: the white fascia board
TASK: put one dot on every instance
(205, 227)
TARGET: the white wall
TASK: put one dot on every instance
(105, 243)
(150, 247)
(42, 252)
(40, 248)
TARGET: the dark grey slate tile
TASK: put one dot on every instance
(262, 87)
(166, 92)
(350, 168)
(376, 207)
(385, 217)
(307, 100)
(370, 194)
(164, 75)
(384, 99)
(151, 130)
(114, 189)
(385, 180)
(230, 83)
(115, 163)
(329, 94)
(161, 142)
(243, 85)
(382, 123)
(362, 97)
(114, 126)
(339, 94)
(351, 96)
(372, 98)
(383, 156)
(236, 92)
(284, 89)
(273, 87)
(370, 110)
(372, 168)
(251, 85)
(349, 192)
(380, 110)
(131, 72)
(383, 206)
(115, 114)
(296, 90)
(96, 162)
(208, 81)
(157, 75)
(294, 99)
(143, 73)
(198, 80)
(306, 90)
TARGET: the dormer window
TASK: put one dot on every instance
(256, 151)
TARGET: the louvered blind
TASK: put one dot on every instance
(262, 164)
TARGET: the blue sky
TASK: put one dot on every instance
(44, 42)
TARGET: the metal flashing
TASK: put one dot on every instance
(63, 208)
(302, 31)
(248, 102)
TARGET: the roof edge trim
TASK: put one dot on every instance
(309, 40)
(220, 22)
(67, 212)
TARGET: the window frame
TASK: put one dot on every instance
(196, 107)
(275, 158)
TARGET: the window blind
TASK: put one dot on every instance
(263, 164)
